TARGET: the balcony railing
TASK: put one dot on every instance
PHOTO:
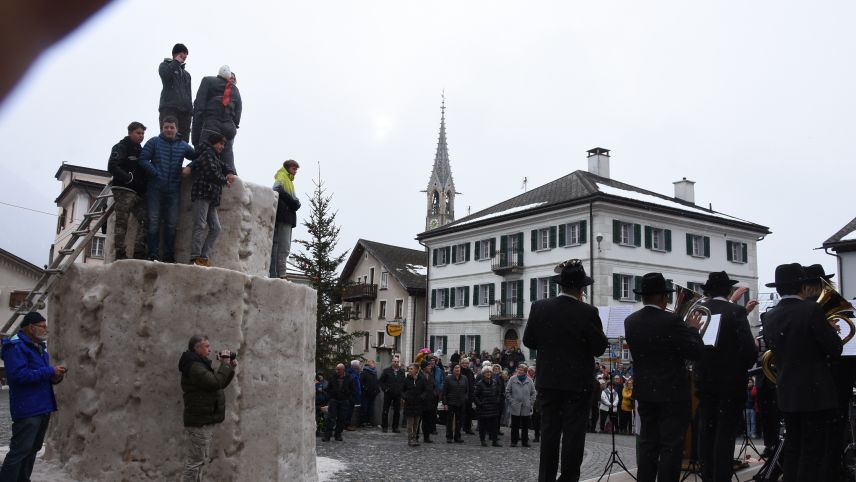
(359, 292)
(507, 262)
(506, 311)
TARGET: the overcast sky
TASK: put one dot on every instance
(752, 100)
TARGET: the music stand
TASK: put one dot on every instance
(772, 468)
(744, 448)
(614, 458)
(693, 467)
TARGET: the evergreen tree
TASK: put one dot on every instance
(318, 260)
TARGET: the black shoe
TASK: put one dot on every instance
(496, 444)
(513, 444)
(141, 255)
(325, 438)
(526, 444)
(469, 432)
(120, 255)
(458, 441)
(338, 438)
(170, 260)
(448, 440)
(537, 439)
(428, 440)
(483, 443)
(395, 430)
(384, 429)
(154, 258)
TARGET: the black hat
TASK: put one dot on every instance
(815, 272)
(572, 274)
(653, 284)
(179, 48)
(718, 279)
(788, 274)
(31, 318)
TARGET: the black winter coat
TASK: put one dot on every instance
(202, 387)
(722, 368)
(414, 395)
(286, 207)
(340, 391)
(392, 382)
(488, 397)
(123, 165)
(471, 381)
(430, 396)
(209, 113)
(369, 384)
(456, 392)
(176, 92)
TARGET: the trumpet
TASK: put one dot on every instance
(834, 308)
(688, 302)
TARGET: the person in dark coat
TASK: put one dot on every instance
(803, 343)
(455, 396)
(468, 413)
(660, 344)
(217, 108)
(369, 385)
(414, 396)
(210, 175)
(129, 190)
(391, 384)
(286, 217)
(568, 334)
(488, 398)
(340, 390)
(176, 99)
(720, 379)
(429, 402)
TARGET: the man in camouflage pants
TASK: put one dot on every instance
(129, 188)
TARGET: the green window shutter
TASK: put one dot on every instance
(534, 238)
(689, 244)
(745, 253)
(520, 251)
(502, 291)
(616, 231)
(491, 288)
(475, 295)
(466, 296)
(648, 236)
(583, 232)
(562, 228)
(454, 253)
(520, 297)
(467, 251)
(728, 251)
(707, 247)
(670, 286)
(533, 289)
(445, 344)
(448, 254)
(434, 257)
(492, 247)
(478, 249)
(431, 343)
(637, 235)
(616, 286)
(554, 288)
(552, 236)
(478, 344)
(503, 249)
(668, 236)
(433, 298)
(637, 283)
(463, 344)
(452, 296)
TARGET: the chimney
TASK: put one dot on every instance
(598, 162)
(685, 190)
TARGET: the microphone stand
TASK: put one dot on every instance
(614, 458)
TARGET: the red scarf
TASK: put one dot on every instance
(227, 94)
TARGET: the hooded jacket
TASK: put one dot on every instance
(209, 113)
(162, 158)
(29, 373)
(204, 399)
(176, 92)
(368, 382)
(125, 167)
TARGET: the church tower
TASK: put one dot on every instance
(441, 187)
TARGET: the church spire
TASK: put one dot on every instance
(441, 186)
(441, 158)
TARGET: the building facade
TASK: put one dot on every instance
(384, 295)
(17, 278)
(843, 244)
(80, 186)
(487, 268)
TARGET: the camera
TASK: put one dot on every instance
(232, 355)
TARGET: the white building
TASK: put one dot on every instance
(487, 268)
(80, 186)
(843, 243)
(17, 278)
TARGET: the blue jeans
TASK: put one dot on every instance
(28, 435)
(162, 206)
(749, 417)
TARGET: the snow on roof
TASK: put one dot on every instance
(501, 213)
(660, 201)
(417, 269)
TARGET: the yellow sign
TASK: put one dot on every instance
(393, 329)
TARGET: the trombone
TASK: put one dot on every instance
(834, 308)
(688, 302)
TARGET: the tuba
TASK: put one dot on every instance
(688, 302)
(835, 308)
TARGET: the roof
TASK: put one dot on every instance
(87, 185)
(24, 263)
(844, 236)
(407, 266)
(580, 187)
(81, 169)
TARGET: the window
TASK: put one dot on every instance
(440, 298)
(380, 338)
(542, 288)
(471, 343)
(384, 280)
(461, 297)
(441, 256)
(368, 311)
(485, 248)
(626, 234)
(483, 294)
(658, 239)
(381, 312)
(697, 287)
(623, 285)
(698, 246)
(366, 343)
(399, 306)
(17, 297)
(461, 253)
(347, 312)
(737, 252)
(543, 238)
(437, 343)
(96, 249)
(511, 303)
(572, 234)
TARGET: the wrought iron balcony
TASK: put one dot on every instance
(507, 262)
(359, 292)
(504, 312)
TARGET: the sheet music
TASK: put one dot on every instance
(711, 332)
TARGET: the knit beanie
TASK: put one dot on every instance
(31, 318)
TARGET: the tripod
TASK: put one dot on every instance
(747, 444)
(614, 458)
(772, 468)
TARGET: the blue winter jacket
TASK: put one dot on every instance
(29, 373)
(162, 159)
(358, 390)
(439, 379)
